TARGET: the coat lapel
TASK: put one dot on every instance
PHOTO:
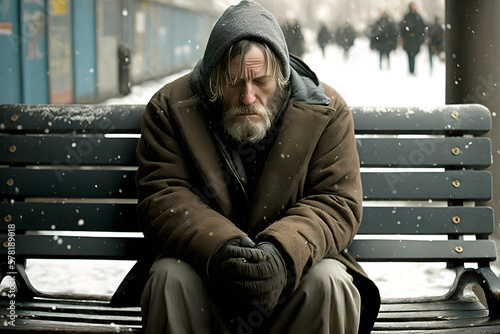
(196, 132)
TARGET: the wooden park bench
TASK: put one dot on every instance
(70, 168)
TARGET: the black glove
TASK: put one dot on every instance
(229, 262)
(263, 280)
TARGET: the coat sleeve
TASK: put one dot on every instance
(325, 220)
(174, 219)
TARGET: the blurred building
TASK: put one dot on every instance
(81, 51)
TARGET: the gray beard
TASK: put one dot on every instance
(248, 130)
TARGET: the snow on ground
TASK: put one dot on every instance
(360, 82)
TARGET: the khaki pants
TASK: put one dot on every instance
(176, 301)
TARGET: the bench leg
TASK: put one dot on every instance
(484, 278)
(24, 289)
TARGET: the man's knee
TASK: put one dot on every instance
(330, 278)
(173, 271)
(329, 271)
(171, 278)
(174, 285)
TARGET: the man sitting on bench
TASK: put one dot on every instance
(249, 189)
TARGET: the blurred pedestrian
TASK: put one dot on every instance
(344, 36)
(324, 38)
(283, 23)
(384, 37)
(435, 41)
(294, 38)
(413, 31)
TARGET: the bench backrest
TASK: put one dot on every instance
(68, 173)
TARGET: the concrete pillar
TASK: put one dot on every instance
(472, 44)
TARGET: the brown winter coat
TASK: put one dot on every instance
(308, 197)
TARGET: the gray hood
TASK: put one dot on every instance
(249, 20)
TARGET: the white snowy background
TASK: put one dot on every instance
(360, 82)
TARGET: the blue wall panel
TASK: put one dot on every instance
(60, 53)
(108, 34)
(10, 67)
(84, 51)
(67, 50)
(34, 51)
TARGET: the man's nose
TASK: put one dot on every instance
(247, 95)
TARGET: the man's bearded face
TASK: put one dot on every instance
(253, 101)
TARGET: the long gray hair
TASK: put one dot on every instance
(221, 75)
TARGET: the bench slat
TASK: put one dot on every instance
(449, 119)
(70, 151)
(122, 218)
(483, 328)
(30, 325)
(55, 118)
(71, 216)
(95, 318)
(425, 152)
(74, 151)
(67, 183)
(466, 185)
(431, 315)
(128, 320)
(468, 325)
(81, 183)
(424, 304)
(427, 220)
(79, 306)
(423, 250)
(70, 247)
